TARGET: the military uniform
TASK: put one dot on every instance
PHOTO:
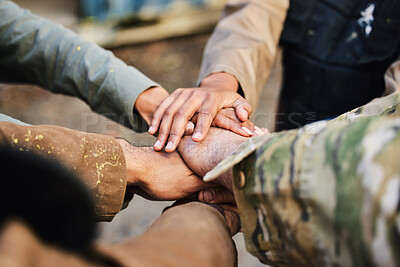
(326, 194)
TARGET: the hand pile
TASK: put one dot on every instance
(159, 174)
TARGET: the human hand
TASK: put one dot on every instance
(201, 157)
(231, 215)
(159, 175)
(147, 102)
(217, 195)
(226, 119)
(229, 211)
(218, 91)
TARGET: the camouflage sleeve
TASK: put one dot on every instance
(326, 194)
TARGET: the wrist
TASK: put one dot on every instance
(135, 169)
(147, 102)
(220, 81)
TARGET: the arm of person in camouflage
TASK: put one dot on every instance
(109, 167)
(38, 51)
(325, 194)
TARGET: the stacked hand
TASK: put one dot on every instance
(194, 110)
(165, 176)
(191, 111)
(203, 156)
(159, 175)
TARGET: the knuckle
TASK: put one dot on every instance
(169, 112)
(205, 113)
(180, 114)
(197, 93)
(159, 106)
(163, 132)
(156, 117)
(210, 95)
(174, 133)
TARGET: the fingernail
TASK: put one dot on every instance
(157, 144)
(151, 129)
(247, 130)
(169, 146)
(197, 135)
(258, 130)
(190, 125)
(208, 196)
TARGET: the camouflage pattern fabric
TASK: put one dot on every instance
(326, 194)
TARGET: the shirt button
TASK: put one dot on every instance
(241, 180)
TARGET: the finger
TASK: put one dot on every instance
(265, 130)
(216, 195)
(194, 119)
(158, 114)
(229, 113)
(222, 121)
(181, 119)
(205, 117)
(249, 125)
(260, 132)
(166, 123)
(189, 128)
(243, 109)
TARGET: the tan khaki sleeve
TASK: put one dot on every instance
(392, 78)
(97, 159)
(245, 43)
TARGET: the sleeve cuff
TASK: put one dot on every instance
(242, 152)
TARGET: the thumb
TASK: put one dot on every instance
(216, 195)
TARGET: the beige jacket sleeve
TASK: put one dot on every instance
(97, 159)
(392, 78)
(245, 43)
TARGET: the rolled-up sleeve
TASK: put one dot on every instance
(37, 51)
(96, 159)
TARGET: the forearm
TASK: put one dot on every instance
(245, 42)
(34, 50)
(97, 159)
(305, 183)
(315, 186)
(192, 234)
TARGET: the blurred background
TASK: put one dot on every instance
(162, 38)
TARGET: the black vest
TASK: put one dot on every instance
(336, 53)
